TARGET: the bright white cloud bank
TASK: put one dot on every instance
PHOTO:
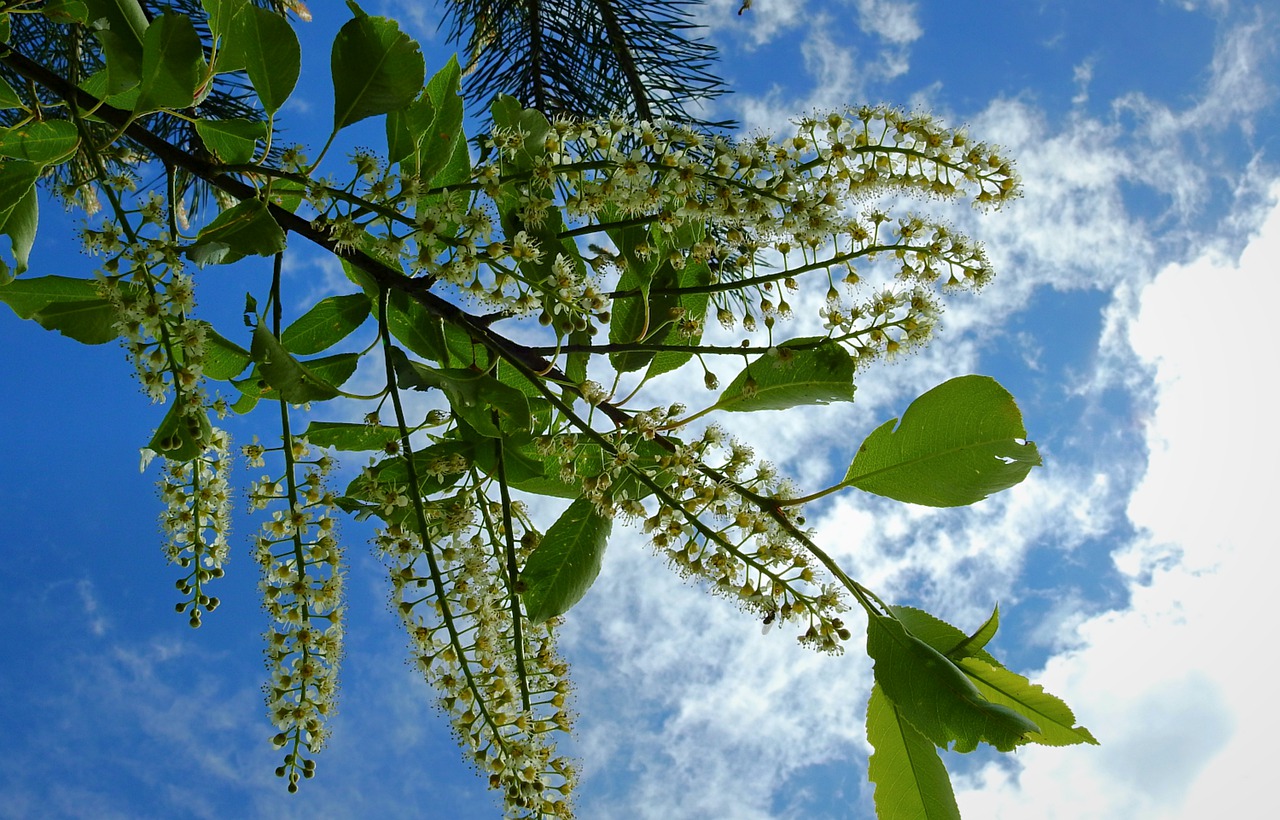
(1174, 686)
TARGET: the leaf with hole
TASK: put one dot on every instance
(955, 445)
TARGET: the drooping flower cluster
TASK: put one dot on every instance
(302, 587)
(500, 678)
(197, 519)
(708, 527)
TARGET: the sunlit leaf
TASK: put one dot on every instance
(233, 141)
(347, 436)
(935, 696)
(910, 779)
(798, 372)
(566, 561)
(273, 58)
(376, 68)
(43, 142)
(180, 436)
(295, 382)
(328, 322)
(19, 224)
(172, 64)
(955, 445)
(121, 26)
(1055, 721)
(223, 359)
(244, 229)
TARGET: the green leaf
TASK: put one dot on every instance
(978, 640)
(29, 296)
(941, 635)
(90, 322)
(346, 436)
(233, 141)
(70, 306)
(223, 359)
(8, 97)
(996, 683)
(226, 33)
(17, 177)
(180, 437)
(376, 68)
(955, 445)
(44, 142)
(20, 226)
(328, 322)
(800, 371)
(272, 56)
(121, 28)
(241, 230)
(407, 127)
(442, 154)
(935, 696)
(1054, 719)
(474, 395)
(172, 64)
(692, 306)
(910, 779)
(67, 11)
(296, 383)
(415, 328)
(566, 561)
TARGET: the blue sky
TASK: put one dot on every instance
(1130, 317)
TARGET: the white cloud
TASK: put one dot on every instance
(1173, 684)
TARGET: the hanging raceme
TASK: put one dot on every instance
(528, 295)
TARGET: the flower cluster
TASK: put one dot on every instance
(302, 587)
(728, 206)
(717, 521)
(501, 681)
(196, 520)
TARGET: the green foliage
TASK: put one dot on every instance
(620, 241)
(566, 561)
(956, 444)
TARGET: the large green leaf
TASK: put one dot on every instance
(121, 27)
(566, 562)
(415, 328)
(29, 296)
(935, 696)
(296, 383)
(376, 68)
(1056, 722)
(347, 436)
(801, 371)
(8, 97)
(328, 322)
(910, 779)
(90, 322)
(65, 304)
(43, 142)
(474, 395)
(17, 177)
(172, 64)
(232, 141)
(226, 33)
(272, 55)
(19, 224)
(955, 445)
(223, 358)
(244, 229)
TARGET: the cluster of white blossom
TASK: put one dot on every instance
(197, 519)
(302, 590)
(500, 679)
